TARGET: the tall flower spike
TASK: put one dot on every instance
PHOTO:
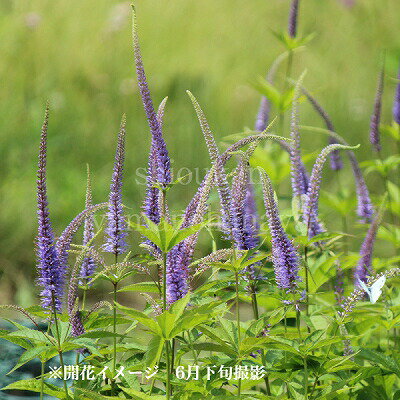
(311, 203)
(88, 265)
(180, 256)
(161, 152)
(364, 266)
(284, 254)
(221, 179)
(51, 274)
(151, 206)
(293, 16)
(298, 179)
(374, 135)
(243, 207)
(336, 160)
(365, 209)
(116, 228)
(264, 109)
(396, 103)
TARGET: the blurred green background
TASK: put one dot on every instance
(78, 54)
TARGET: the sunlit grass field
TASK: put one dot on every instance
(78, 55)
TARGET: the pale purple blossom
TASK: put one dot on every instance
(116, 230)
(51, 271)
(396, 103)
(284, 255)
(374, 135)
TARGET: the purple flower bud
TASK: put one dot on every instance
(365, 209)
(339, 284)
(51, 272)
(364, 266)
(161, 152)
(293, 15)
(298, 171)
(396, 104)
(88, 265)
(116, 228)
(374, 135)
(284, 254)
(263, 115)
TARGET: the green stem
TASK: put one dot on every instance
(59, 344)
(164, 281)
(305, 379)
(256, 317)
(115, 327)
(168, 388)
(42, 381)
(386, 183)
(238, 322)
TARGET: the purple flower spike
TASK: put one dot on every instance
(364, 266)
(88, 264)
(336, 160)
(284, 254)
(293, 15)
(311, 203)
(221, 178)
(179, 258)
(51, 274)
(365, 209)
(374, 135)
(396, 104)
(160, 148)
(263, 115)
(116, 229)
(251, 220)
(243, 209)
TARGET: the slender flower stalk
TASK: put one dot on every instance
(51, 271)
(163, 162)
(299, 176)
(293, 16)
(88, 265)
(224, 191)
(116, 228)
(284, 255)
(396, 103)
(336, 160)
(374, 135)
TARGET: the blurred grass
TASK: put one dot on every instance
(78, 55)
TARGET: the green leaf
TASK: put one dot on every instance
(141, 396)
(29, 355)
(141, 318)
(154, 351)
(31, 334)
(34, 385)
